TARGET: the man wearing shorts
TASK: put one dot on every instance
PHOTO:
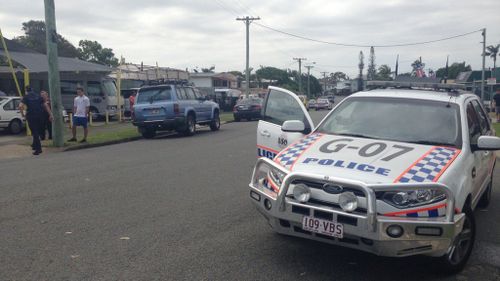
(496, 100)
(81, 107)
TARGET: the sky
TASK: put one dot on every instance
(195, 33)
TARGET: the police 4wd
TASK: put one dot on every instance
(173, 107)
(393, 172)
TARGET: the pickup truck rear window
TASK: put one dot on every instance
(154, 95)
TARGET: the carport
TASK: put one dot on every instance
(36, 64)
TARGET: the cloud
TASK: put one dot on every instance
(190, 33)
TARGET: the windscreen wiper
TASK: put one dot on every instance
(357, 136)
(425, 142)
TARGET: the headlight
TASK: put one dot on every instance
(301, 193)
(413, 198)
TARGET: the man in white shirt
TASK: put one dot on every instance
(81, 107)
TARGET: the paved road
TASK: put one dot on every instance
(177, 209)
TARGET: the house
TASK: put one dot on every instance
(472, 80)
(207, 82)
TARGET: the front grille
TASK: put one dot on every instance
(318, 185)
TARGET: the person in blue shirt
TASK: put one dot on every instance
(35, 108)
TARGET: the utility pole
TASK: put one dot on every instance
(324, 81)
(309, 78)
(248, 20)
(300, 72)
(54, 79)
(484, 62)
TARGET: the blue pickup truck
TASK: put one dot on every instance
(173, 107)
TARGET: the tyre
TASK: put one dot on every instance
(15, 126)
(149, 133)
(190, 126)
(237, 119)
(215, 124)
(486, 197)
(460, 250)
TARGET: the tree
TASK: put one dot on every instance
(93, 51)
(208, 70)
(384, 73)
(34, 38)
(283, 78)
(361, 65)
(372, 67)
(453, 70)
(339, 76)
(492, 51)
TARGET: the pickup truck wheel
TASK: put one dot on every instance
(237, 119)
(190, 125)
(486, 197)
(215, 124)
(460, 249)
(15, 126)
(149, 133)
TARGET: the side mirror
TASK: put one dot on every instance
(293, 126)
(488, 143)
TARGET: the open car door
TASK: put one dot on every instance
(281, 105)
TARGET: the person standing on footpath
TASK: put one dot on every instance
(47, 123)
(496, 100)
(35, 108)
(81, 108)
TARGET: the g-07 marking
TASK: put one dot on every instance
(369, 150)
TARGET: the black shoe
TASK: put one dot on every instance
(37, 152)
(83, 141)
(72, 140)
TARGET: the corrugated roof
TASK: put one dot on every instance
(37, 63)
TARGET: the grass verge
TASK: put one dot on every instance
(95, 138)
(497, 128)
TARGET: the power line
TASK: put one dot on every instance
(366, 46)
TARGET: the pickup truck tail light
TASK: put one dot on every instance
(176, 108)
(235, 109)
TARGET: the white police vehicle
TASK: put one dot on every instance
(395, 172)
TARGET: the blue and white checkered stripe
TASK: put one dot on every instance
(430, 167)
(438, 212)
(289, 155)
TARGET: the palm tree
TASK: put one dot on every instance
(492, 52)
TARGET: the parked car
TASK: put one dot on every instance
(247, 109)
(311, 104)
(173, 107)
(399, 184)
(10, 115)
(331, 99)
(323, 104)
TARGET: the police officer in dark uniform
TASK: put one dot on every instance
(35, 108)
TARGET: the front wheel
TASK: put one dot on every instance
(15, 126)
(215, 124)
(461, 248)
(149, 133)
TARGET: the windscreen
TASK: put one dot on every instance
(154, 95)
(415, 121)
(109, 88)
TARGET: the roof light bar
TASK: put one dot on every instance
(426, 85)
